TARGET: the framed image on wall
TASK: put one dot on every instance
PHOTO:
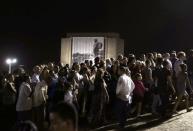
(87, 48)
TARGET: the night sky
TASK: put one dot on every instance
(31, 31)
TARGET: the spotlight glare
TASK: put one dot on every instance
(14, 61)
(8, 61)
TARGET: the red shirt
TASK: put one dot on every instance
(139, 88)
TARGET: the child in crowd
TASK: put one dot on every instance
(138, 93)
(68, 95)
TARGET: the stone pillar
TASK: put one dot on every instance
(113, 47)
(66, 50)
(120, 46)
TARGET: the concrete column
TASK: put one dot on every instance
(66, 50)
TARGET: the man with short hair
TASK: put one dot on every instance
(63, 117)
(35, 77)
(24, 102)
(167, 58)
(125, 87)
(181, 57)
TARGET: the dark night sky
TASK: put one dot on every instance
(32, 31)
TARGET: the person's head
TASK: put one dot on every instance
(138, 63)
(159, 61)
(93, 70)
(26, 78)
(41, 67)
(183, 67)
(61, 65)
(116, 64)
(56, 69)
(63, 116)
(108, 62)
(99, 45)
(87, 63)
(50, 66)
(52, 73)
(138, 76)
(143, 57)
(68, 86)
(102, 64)
(97, 60)
(181, 55)
(173, 55)
(128, 72)
(150, 56)
(90, 63)
(166, 56)
(100, 73)
(3, 82)
(148, 63)
(159, 55)
(82, 65)
(67, 66)
(37, 70)
(112, 60)
(63, 72)
(45, 72)
(155, 55)
(77, 67)
(120, 57)
(131, 55)
(131, 59)
(19, 71)
(125, 60)
(173, 51)
(165, 64)
(45, 76)
(121, 70)
(95, 40)
(71, 75)
(10, 77)
(190, 53)
(85, 70)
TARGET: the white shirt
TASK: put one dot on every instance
(40, 94)
(78, 78)
(68, 97)
(169, 63)
(24, 102)
(125, 87)
(35, 78)
(91, 83)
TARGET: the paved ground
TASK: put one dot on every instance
(182, 121)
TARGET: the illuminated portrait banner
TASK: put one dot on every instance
(87, 48)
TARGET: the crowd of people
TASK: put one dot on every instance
(100, 91)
